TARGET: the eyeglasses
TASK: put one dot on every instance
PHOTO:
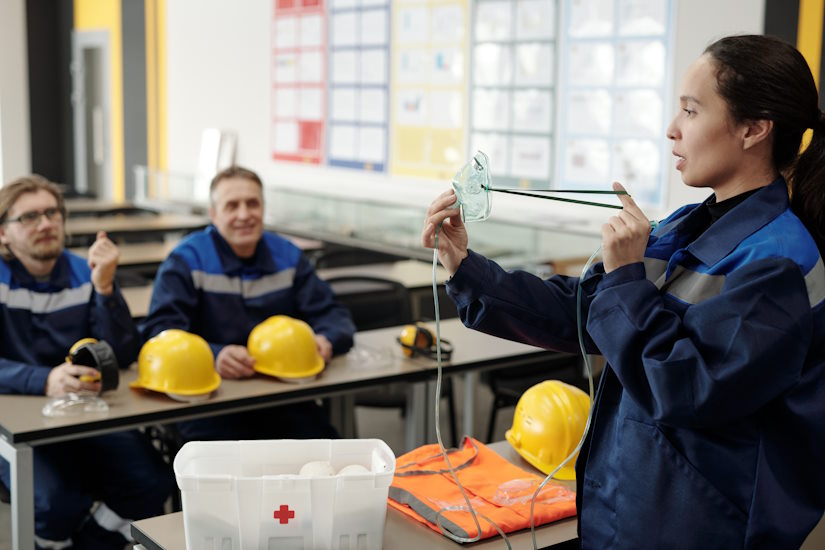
(28, 219)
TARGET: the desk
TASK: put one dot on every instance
(119, 226)
(102, 207)
(400, 532)
(138, 299)
(154, 253)
(22, 425)
(472, 352)
(132, 254)
(413, 274)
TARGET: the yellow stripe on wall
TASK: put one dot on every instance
(156, 84)
(809, 42)
(809, 33)
(106, 15)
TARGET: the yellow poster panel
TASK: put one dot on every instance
(428, 81)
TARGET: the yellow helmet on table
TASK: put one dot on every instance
(548, 423)
(285, 348)
(179, 364)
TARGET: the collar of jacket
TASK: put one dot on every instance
(59, 278)
(261, 260)
(743, 220)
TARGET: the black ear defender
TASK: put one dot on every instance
(98, 355)
(419, 340)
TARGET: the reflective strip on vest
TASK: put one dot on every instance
(52, 544)
(223, 284)
(815, 281)
(111, 521)
(424, 489)
(45, 302)
(692, 287)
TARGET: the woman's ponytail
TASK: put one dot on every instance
(807, 184)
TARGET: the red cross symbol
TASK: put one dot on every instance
(284, 514)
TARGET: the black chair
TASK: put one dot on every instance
(344, 257)
(128, 277)
(373, 302)
(509, 384)
(381, 303)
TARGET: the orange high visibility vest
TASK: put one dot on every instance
(423, 487)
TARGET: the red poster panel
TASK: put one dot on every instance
(298, 80)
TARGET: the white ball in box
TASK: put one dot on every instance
(245, 495)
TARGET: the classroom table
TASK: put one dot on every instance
(84, 206)
(133, 254)
(120, 226)
(138, 299)
(413, 274)
(375, 360)
(153, 253)
(400, 532)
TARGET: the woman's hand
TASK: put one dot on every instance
(452, 237)
(625, 236)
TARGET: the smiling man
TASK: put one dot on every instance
(221, 282)
(50, 299)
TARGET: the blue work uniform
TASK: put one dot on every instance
(709, 421)
(40, 320)
(203, 287)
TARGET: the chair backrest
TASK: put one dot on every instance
(373, 302)
(352, 256)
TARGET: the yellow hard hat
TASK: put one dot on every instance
(419, 340)
(548, 424)
(179, 364)
(285, 347)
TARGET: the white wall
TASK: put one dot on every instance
(698, 23)
(15, 142)
(219, 76)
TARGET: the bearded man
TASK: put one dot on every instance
(87, 491)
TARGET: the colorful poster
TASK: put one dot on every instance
(299, 83)
(359, 84)
(612, 106)
(512, 90)
(428, 88)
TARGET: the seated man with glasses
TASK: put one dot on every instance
(50, 299)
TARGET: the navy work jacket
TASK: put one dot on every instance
(709, 419)
(40, 320)
(203, 287)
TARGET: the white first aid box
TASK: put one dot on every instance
(249, 495)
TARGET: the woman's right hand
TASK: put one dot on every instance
(452, 237)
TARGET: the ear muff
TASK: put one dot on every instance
(98, 355)
(419, 340)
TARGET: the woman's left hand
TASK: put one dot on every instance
(625, 236)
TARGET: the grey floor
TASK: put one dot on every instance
(386, 424)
